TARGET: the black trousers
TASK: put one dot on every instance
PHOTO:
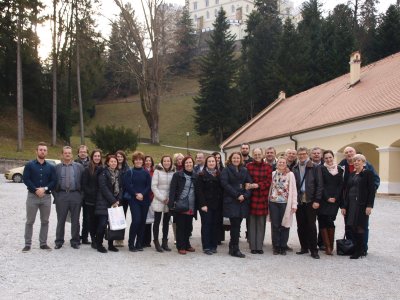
(147, 235)
(184, 225)
(306, 217)
(326, 221)
(235, 231)
(101, 230)
(85, 223)
(91, 221)
(156, 225)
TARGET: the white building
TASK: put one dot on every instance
(204, 12)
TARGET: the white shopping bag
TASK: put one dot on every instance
(116, 218)
(150, 216)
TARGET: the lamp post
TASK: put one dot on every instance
(187, 142)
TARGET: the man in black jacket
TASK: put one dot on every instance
(309, 191)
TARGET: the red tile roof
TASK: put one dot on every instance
(333, 102)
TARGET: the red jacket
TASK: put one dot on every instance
(261, 173)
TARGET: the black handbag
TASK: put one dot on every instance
(182, 205)
(115, 235)
(344, 246)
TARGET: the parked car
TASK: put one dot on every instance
(16, 173)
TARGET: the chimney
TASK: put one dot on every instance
(355, 68)
(282, 95)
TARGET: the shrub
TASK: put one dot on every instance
(110, 139)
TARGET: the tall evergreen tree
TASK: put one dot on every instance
(185, 41)
(216, 102)
(388, 36)
(366, 35)
(259, 53)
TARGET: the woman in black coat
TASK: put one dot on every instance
(236, 198)
(107, 196)
(209, 197)
(358, 202)
(182, 190)
(90, 187)
(332, 178)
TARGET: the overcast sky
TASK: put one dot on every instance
(109, 11)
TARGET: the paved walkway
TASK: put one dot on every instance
(87, 274)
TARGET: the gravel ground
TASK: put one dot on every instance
(85, 273)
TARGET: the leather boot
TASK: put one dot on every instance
(331, 235)
(157, 245)
(165, 245)
(325, 239)
(230, 249)
(359, 247)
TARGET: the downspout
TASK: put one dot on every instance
(294, 140)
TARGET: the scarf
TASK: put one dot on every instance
(332, 169)
(114, 180)
(212, 172)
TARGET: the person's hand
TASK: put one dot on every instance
(315, 205)
(204, 208)
(139, 196)
(40, 192)
(166, 201)
(368, 211)
(255, 186)
(115, 204)
(241, 198)
(293, 210)
(343, 211)
(247, 186)
(331, 200)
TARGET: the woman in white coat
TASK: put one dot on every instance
(282, 205)
(160, 186)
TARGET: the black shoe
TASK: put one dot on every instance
(101, 249)
(45, 247)
(139, 248)
(283, 251)
(207, 251)
(26, 249)
(302, 251)
(276, 251)
(288, 249)
(147, 245)
(253, 252)
(214, 250)
(75, 246)
(58, 246)
(85, 242)
(113, 248)
(322, 247)
(260, 251)
(315, 255)
(132, 249)
(164, 245)
(93, 245)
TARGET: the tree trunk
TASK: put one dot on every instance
(78, 79)
(54, 133)
(20, 105)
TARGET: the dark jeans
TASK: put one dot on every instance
(184, 225)
(136, 231)
(156, 225)
(147, 235)
(209, 229)
(280, 234)
(92, 221)
(101, 230)
(306, 216)
(235, 231)
(68, 202)
(125, 205)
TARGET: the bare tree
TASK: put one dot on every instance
(54, 54)
(150, 65)
(78, 77)
(20, 99)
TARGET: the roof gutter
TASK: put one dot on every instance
(294, 140)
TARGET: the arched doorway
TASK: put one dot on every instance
(368, 150)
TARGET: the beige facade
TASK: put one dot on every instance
(204, 12)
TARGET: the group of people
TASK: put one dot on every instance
(257, 188)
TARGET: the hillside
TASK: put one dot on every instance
(176, 118)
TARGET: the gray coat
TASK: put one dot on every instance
(233, 182)
(78, 171)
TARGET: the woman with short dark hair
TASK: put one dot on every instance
(107, 196)
(182, 190)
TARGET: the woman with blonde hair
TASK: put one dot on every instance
(282, 205)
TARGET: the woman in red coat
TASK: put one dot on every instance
(260, 172)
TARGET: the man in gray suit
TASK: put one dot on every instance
(67, 197)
